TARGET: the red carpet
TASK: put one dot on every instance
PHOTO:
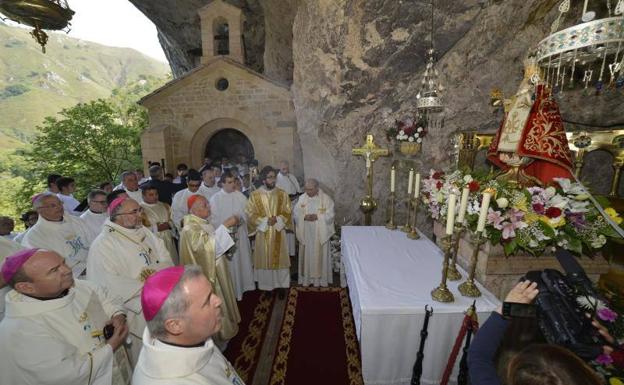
(317, 342)
(243, 350)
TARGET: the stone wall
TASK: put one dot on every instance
(192, 110)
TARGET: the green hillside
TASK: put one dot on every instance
(34, 85)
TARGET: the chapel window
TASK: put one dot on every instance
(222, 38)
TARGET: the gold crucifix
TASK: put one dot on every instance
(370, 151)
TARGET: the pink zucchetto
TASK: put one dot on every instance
(116, 202)
(14, 262)
(192, 199)
(157, 288)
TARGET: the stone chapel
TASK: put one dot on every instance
(221, 108)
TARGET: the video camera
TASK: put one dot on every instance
(561, 318)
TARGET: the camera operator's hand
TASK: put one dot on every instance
(524, 292)
(606, 349)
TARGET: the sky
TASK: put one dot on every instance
(115, 23)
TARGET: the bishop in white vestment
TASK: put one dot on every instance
(186, 355)
(122, 257)
(53, 330)
(223, 205)
(314, 224)
(55, 230)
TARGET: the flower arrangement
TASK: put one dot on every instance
(533, 219)
(408, 130)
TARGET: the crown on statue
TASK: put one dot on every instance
(531, 69)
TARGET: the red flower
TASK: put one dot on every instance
(439, 185)
(618, 358)
(553, 212)
(437, 174)
(538, 208)
(473, 186)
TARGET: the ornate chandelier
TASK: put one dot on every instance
(39, 14)
(586, 52)
(429, 101)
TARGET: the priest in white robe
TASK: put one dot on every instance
(95, 216)
(130, 183)
(289, 183)
(224, 205)
(268, 216)
(179, 207)
(157, 217)
(183, 313)
(209, 185)
(314, 225)
(55, 230)
(122, 257)
(53, 330)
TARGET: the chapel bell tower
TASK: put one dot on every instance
(221, 31)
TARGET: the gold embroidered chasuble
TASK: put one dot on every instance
(160, 212)
(198, 247)
(271, 248)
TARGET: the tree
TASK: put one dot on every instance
(91, 142)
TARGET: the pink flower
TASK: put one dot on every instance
(509, 228)
(516, 215)
(607, 314)
(495, 218)
(604, 359)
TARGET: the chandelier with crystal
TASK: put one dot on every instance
(39, 14)
(429, 101)
(588, 52)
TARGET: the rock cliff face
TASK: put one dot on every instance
(356, 65)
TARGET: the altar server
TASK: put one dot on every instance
(224, 205)
(289, 183)
(157, 217)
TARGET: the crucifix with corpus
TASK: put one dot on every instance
(370, 151)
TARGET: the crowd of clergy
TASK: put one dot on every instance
(141, 282)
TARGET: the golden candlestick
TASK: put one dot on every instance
(390, 224)
(453, 273)
(468, 288)
(413, 234)
(442, 293)
(406, 227)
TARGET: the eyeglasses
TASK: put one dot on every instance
(133, 212)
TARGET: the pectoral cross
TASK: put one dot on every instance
(370, 151)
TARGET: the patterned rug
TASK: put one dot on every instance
(317, 342)
(243, 350)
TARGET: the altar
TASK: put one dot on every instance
(390, 278)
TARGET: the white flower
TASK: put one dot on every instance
(401, 132)
(398, 137)
(559, 201)
(419, 140)
(598, 242)
(533, 243)
(411, 139)
(502, 202)
(467, 179)
(550, 191)
(419, 129)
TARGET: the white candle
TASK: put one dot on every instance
(392, 178)
(463, 204)
(417, 186)
(450, 214)
(410, 180)
(485, 204)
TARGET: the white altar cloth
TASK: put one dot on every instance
(390, 278)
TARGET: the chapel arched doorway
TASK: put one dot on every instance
(231, 144)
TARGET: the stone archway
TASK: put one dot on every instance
(229, 143)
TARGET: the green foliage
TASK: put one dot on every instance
(13, 90)
(91, 142)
